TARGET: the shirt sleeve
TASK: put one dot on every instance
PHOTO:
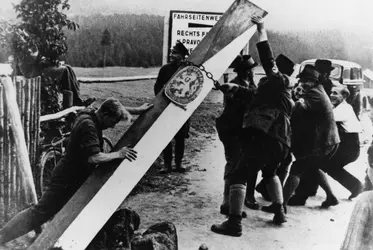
(341, 113)
(89, 141)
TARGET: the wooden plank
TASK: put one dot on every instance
(115, 79)
(106, 188)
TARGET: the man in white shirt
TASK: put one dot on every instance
(349, 148)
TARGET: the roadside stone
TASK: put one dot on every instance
(117, 232)
(161, 236)
(203, 247)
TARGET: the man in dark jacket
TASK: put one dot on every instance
(229, 126)
(83, 154)
(266, 132)
(178, 54)
(308, 185)
(314, 135)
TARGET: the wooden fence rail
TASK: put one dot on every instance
(13, 196)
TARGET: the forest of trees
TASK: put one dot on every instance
(137, 41)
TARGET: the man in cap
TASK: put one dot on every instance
(177, 55)
(229, 126)
(266, 134)
(324, 67)
(315, 136)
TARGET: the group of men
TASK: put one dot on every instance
(266, 126)
(262, 127)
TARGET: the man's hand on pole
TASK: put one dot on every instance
(258, 21)
(229, 88)
(127, 153)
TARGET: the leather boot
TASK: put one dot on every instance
(272, 209)
(233, 226)
(279, 217)
(166, 169)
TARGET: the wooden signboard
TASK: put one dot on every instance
(92, 205)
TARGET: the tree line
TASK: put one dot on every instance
(137, 41)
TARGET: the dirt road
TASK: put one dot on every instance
(193, 207)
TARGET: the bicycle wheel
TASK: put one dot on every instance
(48, 162)
(107, 145)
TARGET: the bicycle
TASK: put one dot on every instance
(53, 149)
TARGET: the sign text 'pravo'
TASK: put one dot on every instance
(191, 27)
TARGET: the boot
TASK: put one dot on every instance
(279, 217)
(272, 208)
(274, 188)
(179, 168)
(330, 201)
(233, 225)
(166, 169)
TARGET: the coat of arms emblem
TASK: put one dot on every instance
(185, 86)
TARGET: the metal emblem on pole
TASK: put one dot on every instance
(185, 86)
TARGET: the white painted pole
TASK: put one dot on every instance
(127, 175)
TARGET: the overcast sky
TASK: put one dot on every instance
(283, 14)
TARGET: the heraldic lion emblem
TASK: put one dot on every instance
(185, 86)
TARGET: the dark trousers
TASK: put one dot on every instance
(259, 152)
(348, 151)
(179, 146)
(232, 151)
(52, 200)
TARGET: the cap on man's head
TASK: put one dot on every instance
(284, 65)
(323, 65)
(244, 62)
(180, 48)
(309, 73)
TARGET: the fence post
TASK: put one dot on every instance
(19, 138)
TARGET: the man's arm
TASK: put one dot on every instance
(124, 153)
(139, 110)
(264, 49)
(238, 91)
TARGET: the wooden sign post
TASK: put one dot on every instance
(92, 205)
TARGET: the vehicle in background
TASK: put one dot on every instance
(349, 74)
